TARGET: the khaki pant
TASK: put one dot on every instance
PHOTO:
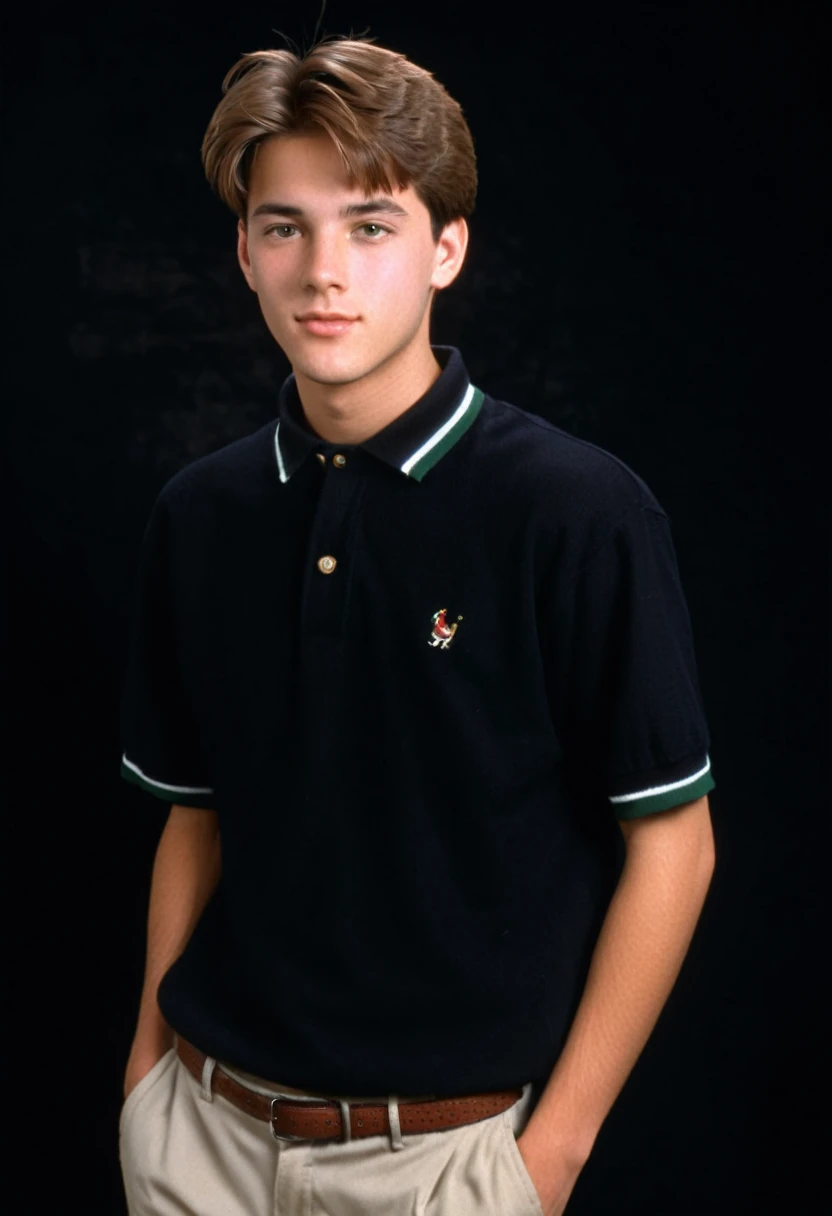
(186, 1152)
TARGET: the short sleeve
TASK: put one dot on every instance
(632, 722)
(162, 752)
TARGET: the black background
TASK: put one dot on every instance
(643, 271)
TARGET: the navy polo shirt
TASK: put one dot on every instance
(419, 679)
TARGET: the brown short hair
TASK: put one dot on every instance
(391, 121)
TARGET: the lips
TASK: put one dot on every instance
(326, 324)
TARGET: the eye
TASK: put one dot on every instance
(373, 230)
(281, 230)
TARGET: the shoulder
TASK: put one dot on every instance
(240, 470)
(564, 479)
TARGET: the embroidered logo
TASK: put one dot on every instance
(442, 633)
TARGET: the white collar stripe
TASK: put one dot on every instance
(281, 468)
(435, 438)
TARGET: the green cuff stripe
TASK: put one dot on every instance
(665, 801)
(181, 794)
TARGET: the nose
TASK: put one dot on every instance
(326, 266)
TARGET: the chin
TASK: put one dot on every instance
(332, 366)
(327, 372)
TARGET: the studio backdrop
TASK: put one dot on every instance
(641, 273)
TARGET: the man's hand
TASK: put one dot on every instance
(186, 871)
(553, 1175)
(640, 948)
(141, 1060)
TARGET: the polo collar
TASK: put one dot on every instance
(412, 443)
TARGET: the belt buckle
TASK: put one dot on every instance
(279, 1135)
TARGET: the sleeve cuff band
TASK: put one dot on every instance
(663, 797)
(184, 795)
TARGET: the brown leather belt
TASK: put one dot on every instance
(301, 1119)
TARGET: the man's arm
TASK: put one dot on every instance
(640, 949)
(185, 874)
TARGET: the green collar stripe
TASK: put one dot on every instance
(447, 435)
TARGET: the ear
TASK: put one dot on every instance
(450, 253)
(243, 254)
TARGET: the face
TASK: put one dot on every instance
(344, 280)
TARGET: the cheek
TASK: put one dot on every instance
(398, 279)
(271, 273)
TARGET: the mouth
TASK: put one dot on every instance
(326, 325)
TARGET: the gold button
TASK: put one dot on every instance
(326, 564)
(321, 457)
(339, 460)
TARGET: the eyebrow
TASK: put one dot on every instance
(373, 206)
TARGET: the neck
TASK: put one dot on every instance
(351, 413)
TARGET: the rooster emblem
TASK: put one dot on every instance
(442, 633)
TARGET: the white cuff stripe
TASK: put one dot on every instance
(662, 789)
(162, 785)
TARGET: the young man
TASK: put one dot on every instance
(415, 671)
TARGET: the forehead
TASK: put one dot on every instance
(307, 166)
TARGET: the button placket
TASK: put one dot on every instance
(327, 563)
(340, 494)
